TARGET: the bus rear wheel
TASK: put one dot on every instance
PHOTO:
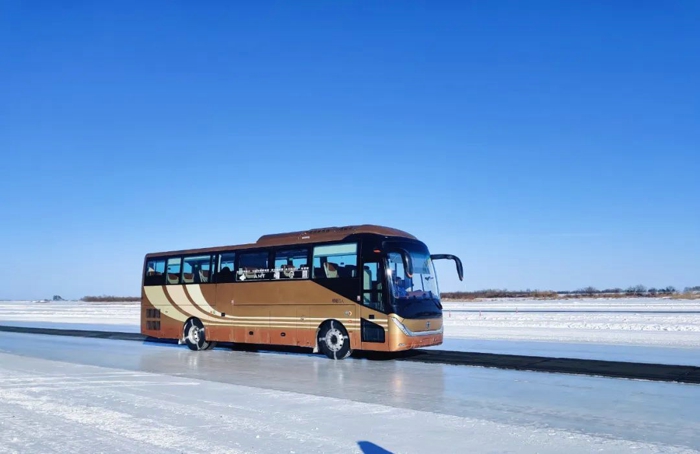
(193, 333)
(333, 340)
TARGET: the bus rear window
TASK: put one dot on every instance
(155, 272)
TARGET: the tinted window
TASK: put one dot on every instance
(173, 271)
(335, 261)
(226, 267)
(252, 266)
(196, 270)
(155, 272)
(291, 264)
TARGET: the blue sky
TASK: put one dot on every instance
(551, 145)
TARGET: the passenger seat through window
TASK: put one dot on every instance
(331, 269)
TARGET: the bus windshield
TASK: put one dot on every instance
(416, 295)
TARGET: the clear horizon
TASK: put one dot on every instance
(551, 145)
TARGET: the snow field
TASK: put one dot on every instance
(654, 322)
(70, 312)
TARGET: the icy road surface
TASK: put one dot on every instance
(651, 330)
(88, 395)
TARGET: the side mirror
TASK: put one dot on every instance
(458, 262)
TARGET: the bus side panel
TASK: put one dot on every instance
(306, 332)
(378, 320)
(256, 320)
(158, 320)
(219, 333)
(224, 331)
(284, 325)
(267, 309)
(145, 304)
(295, 308)
(209, 293)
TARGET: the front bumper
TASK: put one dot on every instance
(404, 338)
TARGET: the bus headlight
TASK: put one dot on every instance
(401, 327)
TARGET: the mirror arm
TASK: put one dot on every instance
(458, 263)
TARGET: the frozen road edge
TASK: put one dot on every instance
(613, 369)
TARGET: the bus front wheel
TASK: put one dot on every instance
(193, 333)
(333, 340)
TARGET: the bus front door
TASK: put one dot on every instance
(373, 319)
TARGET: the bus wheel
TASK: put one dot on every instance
(211, 346)
(193, 332)
(333, 340)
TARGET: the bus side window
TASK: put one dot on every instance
(172, 275)
(224, 271)
(196, 269)
(291, 264)
(335, 261)
(252, 266)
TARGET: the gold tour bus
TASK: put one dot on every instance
(334, 290)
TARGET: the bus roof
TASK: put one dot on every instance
(301, 237)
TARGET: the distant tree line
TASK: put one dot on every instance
(638, 291)
(110, 299)
(497, 293)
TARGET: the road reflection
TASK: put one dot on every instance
(361, 379)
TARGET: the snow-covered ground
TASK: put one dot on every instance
(71, 312)
(643, 330)
(90, 395)
(631, 322)
(640, 330)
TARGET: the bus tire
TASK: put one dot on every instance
(193, 333)
(333, 340)
(212, 345)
